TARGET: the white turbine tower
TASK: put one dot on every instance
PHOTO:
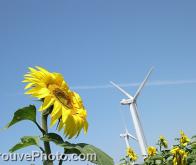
(131, 101)
(127, 136)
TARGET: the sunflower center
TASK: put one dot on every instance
(60, 95)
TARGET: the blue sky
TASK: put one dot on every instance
(93, 42)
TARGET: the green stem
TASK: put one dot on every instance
(160, 147)
(46, 144)
(40, 128)
(61, 161)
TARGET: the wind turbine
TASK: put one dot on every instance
(131, 101)
(127, 136)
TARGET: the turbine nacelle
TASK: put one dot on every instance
(128, 136)
(126, 101)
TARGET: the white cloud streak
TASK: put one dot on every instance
(151, 83)
(108, 86)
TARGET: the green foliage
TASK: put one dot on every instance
(26, 113)
(165, 157)
(157, 159)
(25, 142)
(80, 148)
(29, 113)
(191, 159)
(125, 161)
(53, 137)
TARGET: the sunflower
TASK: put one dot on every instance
(151, 151)
(67, 106)
(184, 140)
(131, 154)
(179, 156)
(163, 141)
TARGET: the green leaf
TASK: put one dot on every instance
(80, 148)
(58, 140)
(191, 158)
(26, 113)
(193, 145)
(101, 157)
(53, 137)
(25, 142)
(156, 157)
(194, 163)
(193, 137)
(122, 159)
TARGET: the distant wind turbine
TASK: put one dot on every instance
(131, 101)
(127, 136)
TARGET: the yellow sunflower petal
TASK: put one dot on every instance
(48, 101)
(60, 125)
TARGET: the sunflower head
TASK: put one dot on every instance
(151, 151)
(67, 106)
(184, 140)
(131, 154)
(163, 141)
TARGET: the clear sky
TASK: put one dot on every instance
(92, 42)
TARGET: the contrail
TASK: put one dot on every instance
(152, 83)
(107, 86)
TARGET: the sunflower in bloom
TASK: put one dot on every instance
(179, 156)
(67, 107)
(184, 140)
(131, 154)
(151, 151)
(163, 141)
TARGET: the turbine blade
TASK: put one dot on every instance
(122, 90)
(142, 84)
(126, 130)
(122, 135)
(131, 136)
